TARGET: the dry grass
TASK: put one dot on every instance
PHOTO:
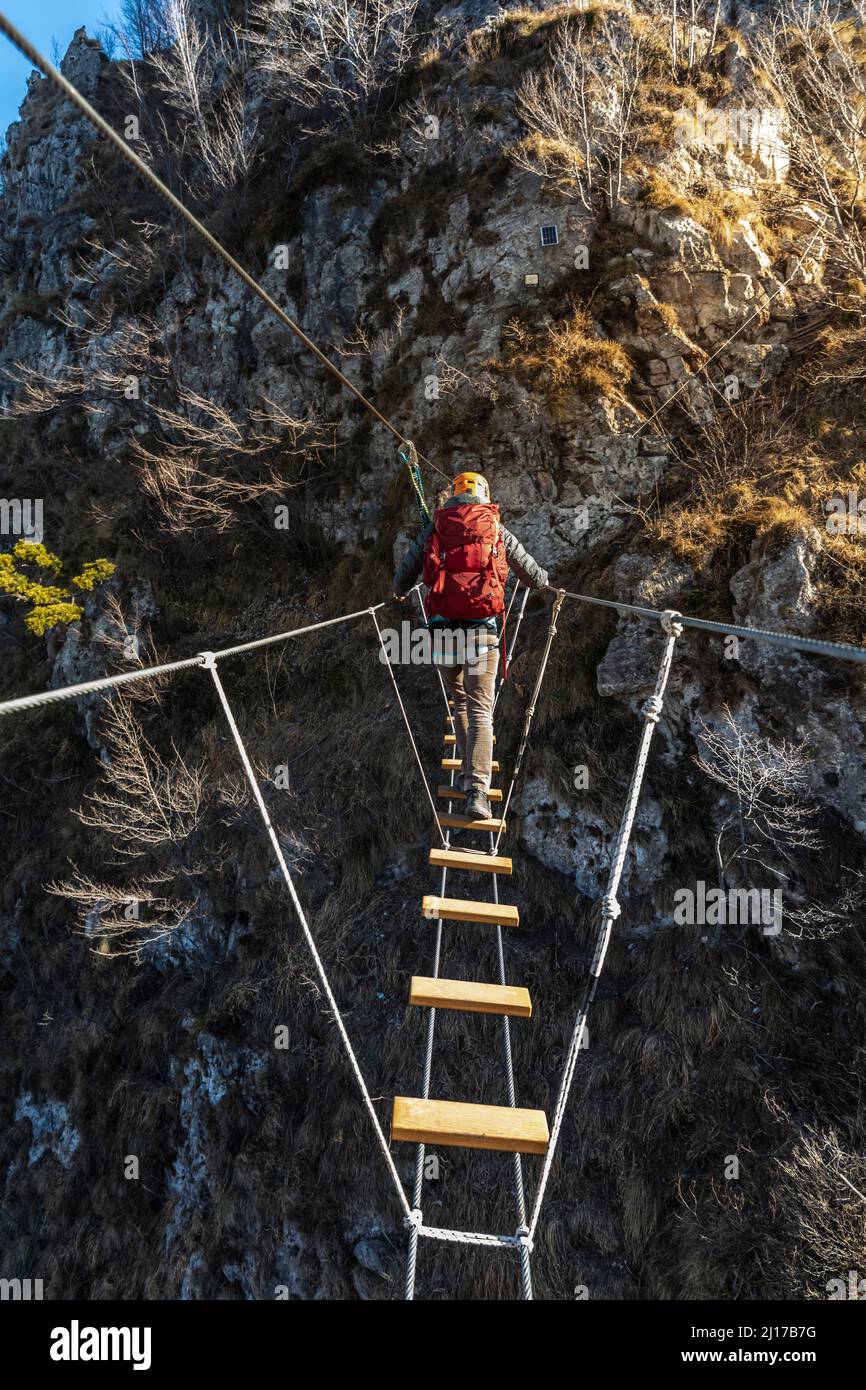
(720, 210)
(564, 359)
(753, 473)
(523, 31)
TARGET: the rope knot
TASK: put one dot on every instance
(523, 1238)
(669, 623)
(414, 1220)
(610, 906)
(208, 660)
(652, 709)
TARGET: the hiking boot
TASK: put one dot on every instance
(477, 806)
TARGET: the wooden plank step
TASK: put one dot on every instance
(467, 823)
(456, 764)
(452, 738)
(473, 861)
(470, 997)
(468, 910)
(451, 1122)
(494, 794)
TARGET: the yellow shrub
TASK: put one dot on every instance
(51, 604)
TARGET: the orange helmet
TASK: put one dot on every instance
(475, 484)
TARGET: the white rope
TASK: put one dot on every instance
(810, 646)
(387, 663)
(519, 1193)
(509, 648)
(209, 662)
(516, 1242)
(71, 692)
(418, 1190)
(417, 592)
(610, 908)
(530, 711)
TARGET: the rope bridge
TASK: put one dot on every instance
(422, 1120)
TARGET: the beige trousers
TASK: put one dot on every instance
(472, 687)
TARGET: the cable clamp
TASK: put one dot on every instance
(669, 623)
(523, 1238)
(610, 906)
(414, 1221)
(208, 660)
(652, 709)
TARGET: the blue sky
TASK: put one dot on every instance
(42, 21)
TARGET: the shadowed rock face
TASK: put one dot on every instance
(258, 1178)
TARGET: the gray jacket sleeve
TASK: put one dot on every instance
(409, 567)
(521, 563)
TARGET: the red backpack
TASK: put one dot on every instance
(464, 562)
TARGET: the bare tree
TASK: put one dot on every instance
(581, 113)
(200, 466)
(146, 803)
(701, 27)
(767, 816)
(143, 804)
(823, 1201)
(153, 810)
(112, 353)
(201, 76)
(195, 461)
(816, 66)
(452, 380)
(142, 27)
(341, 59)
(766, 813)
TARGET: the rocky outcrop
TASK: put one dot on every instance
(413, 280)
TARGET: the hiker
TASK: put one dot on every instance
(465, 554)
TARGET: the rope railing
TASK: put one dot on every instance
(209, 662)
(418, 759)
(610, 908)
(145, 673)
(511, 1089)
(810, 646)
(509, 646)
(530, 713)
